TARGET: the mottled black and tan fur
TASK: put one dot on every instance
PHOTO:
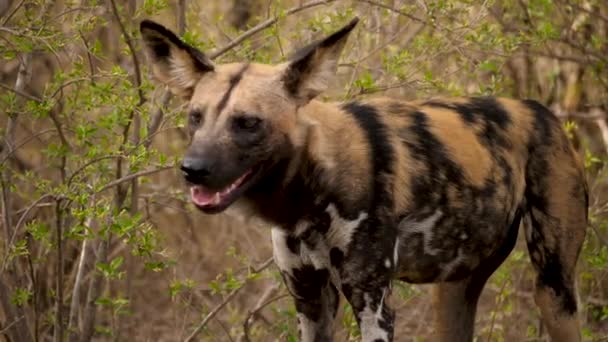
(364, 192)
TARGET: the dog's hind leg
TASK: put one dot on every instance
(455, 303)
(555, 231)
(556, 222)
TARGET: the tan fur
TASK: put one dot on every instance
(462, 144)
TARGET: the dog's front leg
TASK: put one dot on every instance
(375, 317)
(316, 298)
(366, 281)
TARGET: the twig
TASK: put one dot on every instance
(265, 24)
(502, 289)
(16, 229)
(20, 329)
(133, 116)
(90, 312)
(10, 15)
(133, 176)
(599, 234)
(157, 117)
(59, 286)
(387, 7)
(21, 93)
(23, 142)
(601, 124)
(8, 326)
(129, 42)
(593, 113)
(228, 298)
(261, 304)
(74, 306)
(213, 313)
(87, 164)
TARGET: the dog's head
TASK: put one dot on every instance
(242, 117)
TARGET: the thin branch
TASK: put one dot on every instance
(226, 300)
(23, 142)
(261, 304)
(134, 118)
(8, 326)
(129, 42)
(59, 324)
(265, 24)
(387, 7)
(21, 93)
(20, 330)
(601, 124)
(599, 234)
(213, 313)
(594, 113)
(87, 164)
(18, 225)
(157, 117)
(75, 304)
(10, 15)
(132, 176)
(95, 287)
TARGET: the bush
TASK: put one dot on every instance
(98, 237)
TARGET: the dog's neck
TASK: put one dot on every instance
(303, 185)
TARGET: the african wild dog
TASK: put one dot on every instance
(364, 192)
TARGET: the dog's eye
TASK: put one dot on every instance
(248, 123)
(195, 117)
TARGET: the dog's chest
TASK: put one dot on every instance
(321, 241)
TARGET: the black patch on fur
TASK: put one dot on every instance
(308, 284)
(441, 169)
(549, 267)
(382, 152)
(293, 244)
(482, 110)
(234, 80)
(347, 290)
(375, 236)
(321, 222)
(485, 270)
(542, 134)
(336, 257)
(155, 36)
(551, 274)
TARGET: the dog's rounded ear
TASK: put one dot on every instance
(310, 70)
(173, 62)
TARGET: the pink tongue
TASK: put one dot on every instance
(203, 197)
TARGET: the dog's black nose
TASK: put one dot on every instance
(195, 169)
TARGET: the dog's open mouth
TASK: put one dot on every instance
(213, 201)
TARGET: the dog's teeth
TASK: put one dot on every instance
(217, 198)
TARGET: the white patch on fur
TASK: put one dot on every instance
(387, 263)
(283, 257)
(425, 227)
(307, 328)
(341, 231)
(449, 267)
(370, 320)
(396, 253)
(301, 227)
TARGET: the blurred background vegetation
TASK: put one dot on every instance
(98, 239)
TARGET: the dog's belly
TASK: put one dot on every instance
(441, 248)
